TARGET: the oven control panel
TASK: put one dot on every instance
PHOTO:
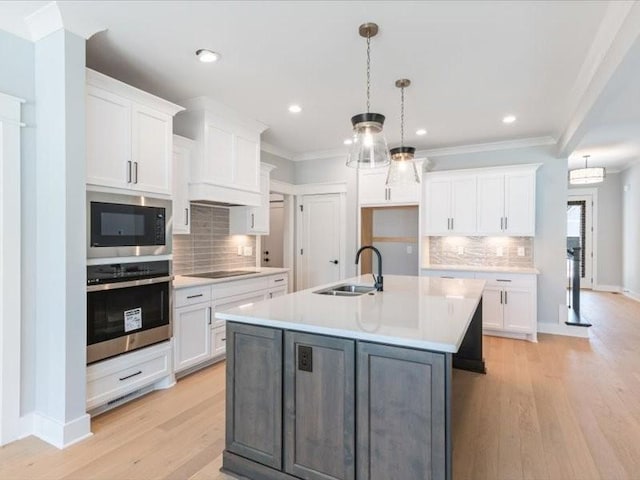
(125, 272)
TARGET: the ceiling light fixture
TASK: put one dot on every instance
(207, 56)
(403, 170)
(421, 131)
(586, 175)
(509, 119)
(295, 108)
(369, 147)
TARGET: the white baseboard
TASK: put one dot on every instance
(633, 295)
(608, 288)
(61, 435)
(563, 329)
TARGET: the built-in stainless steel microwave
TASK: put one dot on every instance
(127, 226)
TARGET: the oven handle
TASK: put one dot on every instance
(132, 283)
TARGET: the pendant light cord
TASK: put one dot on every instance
(402, 117)
(368, 71)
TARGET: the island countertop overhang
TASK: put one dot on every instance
(417, 312)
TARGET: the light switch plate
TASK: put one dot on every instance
(500, 252)
(248, 251)
(521, 251)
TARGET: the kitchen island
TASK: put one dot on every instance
(345, 385)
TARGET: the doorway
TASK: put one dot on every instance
(580, 232)
(273, 244)
(321, 239)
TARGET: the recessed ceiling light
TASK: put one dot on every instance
(348, 141)
(509, 119)
(295, 108)
(421, 131)
(207, 56)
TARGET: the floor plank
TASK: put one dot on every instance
(564, 408)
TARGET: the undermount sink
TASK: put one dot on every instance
(346, 290)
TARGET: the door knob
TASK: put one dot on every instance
(335, 262)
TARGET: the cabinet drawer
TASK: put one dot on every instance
(507, 279)
(278, 280)
(113, 378)
(448, 274)
(219, 340)
(193, 295)
(239, 287)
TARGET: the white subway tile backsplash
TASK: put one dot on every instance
(481, 251)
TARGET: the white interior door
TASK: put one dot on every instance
(321, 237)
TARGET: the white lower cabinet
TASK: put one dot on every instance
(118, 379)
(199, 339)
(509, 302)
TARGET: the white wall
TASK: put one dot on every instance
(335, 170)
(285, 169)
(609, 233)
(551, 219)
(630, 180)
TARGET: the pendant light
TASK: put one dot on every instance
(369, 147)
(403, 170)
(586, 175)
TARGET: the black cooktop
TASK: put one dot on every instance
(221, 274)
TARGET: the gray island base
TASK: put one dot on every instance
(360, 404)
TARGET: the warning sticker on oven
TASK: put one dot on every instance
(132, 319)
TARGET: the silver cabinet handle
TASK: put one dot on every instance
(129, 171)
(186, 216)
(209, 314)
(448, 224)
(501, 223)
(452, 219)
(506, 223)
(502, 280)
(389, 194)
(446, 276)
(501, 293)
(135, 171)
(505, 298)
(253, 220)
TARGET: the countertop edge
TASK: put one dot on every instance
(185, 281)
(479, 268)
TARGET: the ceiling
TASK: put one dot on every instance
(470, 62)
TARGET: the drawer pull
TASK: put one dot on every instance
(223, 339)
(195, 296)
(132, 375)
(279, 280)
(445, 276)
(502, 280)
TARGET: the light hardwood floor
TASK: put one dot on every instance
(564, 408)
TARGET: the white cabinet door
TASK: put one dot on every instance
(490, 204)
(247, 164)
(192, 335)
(518, 308)
(108, 149)
(278, 292)
(437, 206)
(492, 299)
(519, 189)
(463, 205)
(372, 189)
(253, 220)
(151, 142)
(218, 341)
(218, 164)
(180, 174)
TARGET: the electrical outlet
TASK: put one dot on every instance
(521, 251)
(240, 250)
(305, 358)
(461, 250)
(409, 249)
(500, 252)
(248, 251)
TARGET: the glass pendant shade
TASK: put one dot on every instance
(369, 148)
(585, 176)
(403, 170)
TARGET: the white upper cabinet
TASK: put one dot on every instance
(449, 205)
(129, 137)
(485, 202)
(253, 220)
(226, 162)
(372, 188)
(506, 203)
(182, 152)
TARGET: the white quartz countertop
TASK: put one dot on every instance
(482, 268)
(419, 312)
(185, 281)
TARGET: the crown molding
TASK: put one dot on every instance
(273, 150)
(320, 154)
(50, 18)
(616, 34)
(487, 147)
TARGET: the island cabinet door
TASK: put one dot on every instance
(319, 385)
(254, 393)
(402, 414)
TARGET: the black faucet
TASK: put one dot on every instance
(378, 280)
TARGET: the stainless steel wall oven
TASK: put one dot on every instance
(128, 307)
